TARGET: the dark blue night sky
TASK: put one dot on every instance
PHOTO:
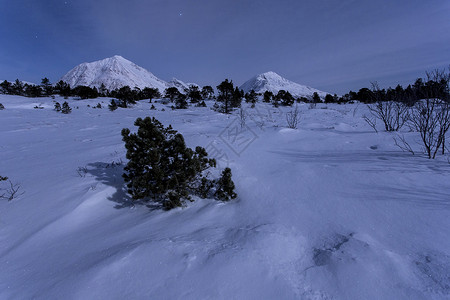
(334, 46)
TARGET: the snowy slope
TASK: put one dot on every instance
(114, 72)
(329, 211)
(180, 85)
(271, 81)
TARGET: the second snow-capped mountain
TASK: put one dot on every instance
(271, 81)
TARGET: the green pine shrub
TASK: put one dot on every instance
(66, 108)
(162, 169)
(225, 186)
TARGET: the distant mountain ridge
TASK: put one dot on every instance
(116, 72)
(271, 81)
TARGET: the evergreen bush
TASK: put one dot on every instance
(66, 108)
(161, 168)
(225, 186)
(113, 105)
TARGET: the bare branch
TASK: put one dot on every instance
(293, 118)
(12, 192)
(401, 142)
(372, 122)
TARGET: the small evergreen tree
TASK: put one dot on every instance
(32, 91)
(180, 101)
(126, 95)
(112, 105)
(66, 108)
(226, 95)
(236, 100)
(47, 86)
(329, 98)
(150, 93)
(285, 97)
(251, 97)
(2, 107)
(161, 167)
(62, 88)
(85, 92)
(57, 106)
(171, 93)
(225, 186)
(102, 90)
(6, 87)
(316, 98)
(207, 92)
(268, 95)
(193, 93)
(18, 87)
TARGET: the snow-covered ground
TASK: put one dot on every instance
(331, 210)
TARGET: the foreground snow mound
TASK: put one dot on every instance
(114, 72)
(331, 210)
(271, 81)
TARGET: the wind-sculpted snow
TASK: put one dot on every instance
(331, 210)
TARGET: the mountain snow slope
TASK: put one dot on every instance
(114, 72)
(331, 210)
(271, 81)
(180, 85)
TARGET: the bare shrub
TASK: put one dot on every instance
(393, 114)
(11, 192)
(431, 116)
(293, 118)
(82, 171)
(401, 142)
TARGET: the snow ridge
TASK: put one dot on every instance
(271, 81)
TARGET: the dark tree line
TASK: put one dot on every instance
(230, 96)
(126, 93)
(427, 88)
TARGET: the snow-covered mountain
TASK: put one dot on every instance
(271, 81)
(114, 72)
(180, 85)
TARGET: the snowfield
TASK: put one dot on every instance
(331, 210)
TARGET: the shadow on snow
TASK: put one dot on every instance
(110, 174)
